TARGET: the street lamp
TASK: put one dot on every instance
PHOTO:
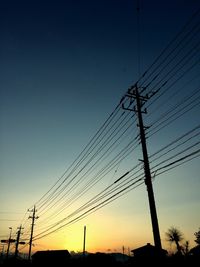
(9, 242)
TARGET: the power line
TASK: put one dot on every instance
(174, 65)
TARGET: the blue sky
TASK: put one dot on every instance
(64, 67)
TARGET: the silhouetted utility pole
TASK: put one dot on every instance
(17, 240)
(129, 252)
(123, 252)
(9, 241)
(32, 226)
(133, 93)
(84, 239)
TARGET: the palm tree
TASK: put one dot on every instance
(174, 235)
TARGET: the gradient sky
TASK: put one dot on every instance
(64, 67)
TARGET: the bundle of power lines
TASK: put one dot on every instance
(172, 86)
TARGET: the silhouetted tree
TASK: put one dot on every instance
(197, 235)
(185, 247)
(174, 236)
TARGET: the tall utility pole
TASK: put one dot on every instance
(84, 238)
(17, 240)
(133, 93)
(32, 226)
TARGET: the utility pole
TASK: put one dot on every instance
(32, 226)
(129, 252)
(84, 238)
(9, 241)
(123, 252)
(133, 93)
(17, 240)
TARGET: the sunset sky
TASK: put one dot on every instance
(65, 66)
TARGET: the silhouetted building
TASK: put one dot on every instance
(148, 251)
(51, 257)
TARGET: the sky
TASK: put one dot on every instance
(65, 65)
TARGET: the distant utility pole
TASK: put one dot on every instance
(32, 226)
(17, 240)
(123, 252)
(84, 239)
(129, 252)
(9, 241)
(133, 93)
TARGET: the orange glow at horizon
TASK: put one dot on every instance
(103, 234)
